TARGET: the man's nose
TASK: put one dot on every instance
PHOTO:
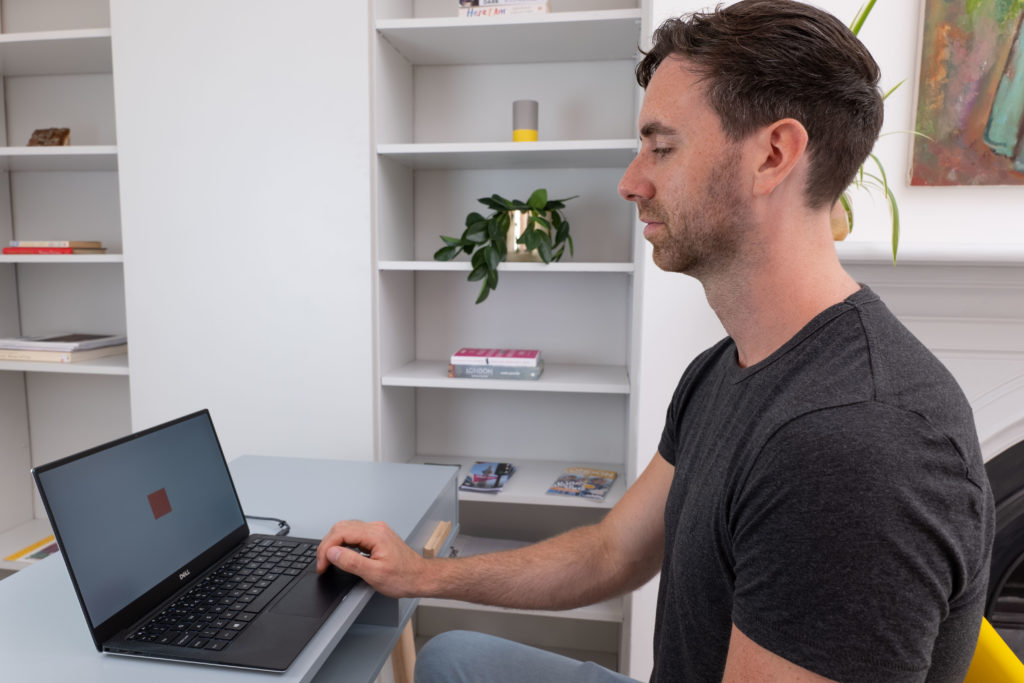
(634, 186)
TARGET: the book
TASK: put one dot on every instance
(53, 250)
(489, 3)
(487, 477)
(496, 11)
(62, 356)
(34, 552)
(495, 371)
(77, 244)
(65, 342)
(506, 357)
(584, 482)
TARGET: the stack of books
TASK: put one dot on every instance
(501, 8)
(55, 247)
(63, 348)
(479, 363)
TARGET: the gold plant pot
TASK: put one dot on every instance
(517, 223)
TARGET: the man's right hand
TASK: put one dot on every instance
(392, 567)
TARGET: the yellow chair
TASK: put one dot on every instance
(994, 661)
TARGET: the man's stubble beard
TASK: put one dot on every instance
(704, 235)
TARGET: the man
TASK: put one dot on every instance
(818, 507)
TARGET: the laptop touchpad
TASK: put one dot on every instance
(315, 594)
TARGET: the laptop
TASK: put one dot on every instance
(160, 554)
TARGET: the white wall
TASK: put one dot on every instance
(243, 131)
(677, 322)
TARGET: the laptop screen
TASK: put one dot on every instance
(132, 513)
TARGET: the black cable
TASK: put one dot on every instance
(282, 526)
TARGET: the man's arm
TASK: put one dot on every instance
(576, 568)
(748, 661)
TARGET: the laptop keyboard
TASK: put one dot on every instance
(221, 605)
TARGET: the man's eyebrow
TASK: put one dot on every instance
(656, 128)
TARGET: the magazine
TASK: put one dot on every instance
(584, 482)
(66, 342)
(487, 477)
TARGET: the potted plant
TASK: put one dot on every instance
(534, 230)
(872, 178)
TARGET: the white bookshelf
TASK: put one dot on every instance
(512, 155)
(555, 37)
(110, 365)
(442, 103)
(62, 259)
(529, 484)
(56, 65)
(44, 53)
(536, 268)
(68, 158)
(557, 377)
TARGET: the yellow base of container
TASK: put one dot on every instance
(524, 135)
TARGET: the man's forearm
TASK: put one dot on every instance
(570, 570)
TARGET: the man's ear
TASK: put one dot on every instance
(780, 149)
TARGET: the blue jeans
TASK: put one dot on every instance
(468, 657)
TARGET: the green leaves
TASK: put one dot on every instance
(865, 178)
(862, 15)
(538, 200)
(485, 238)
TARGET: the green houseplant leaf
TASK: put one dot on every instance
(865, 179)
(485, 238)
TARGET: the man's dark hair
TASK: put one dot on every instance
(766, 60)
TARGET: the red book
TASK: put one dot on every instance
(503, 357)
(52, 250)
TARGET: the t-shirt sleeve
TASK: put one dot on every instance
(681, 399)
(851, 545)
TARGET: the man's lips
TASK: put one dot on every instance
(651, 226)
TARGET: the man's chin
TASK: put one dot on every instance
(672, 263)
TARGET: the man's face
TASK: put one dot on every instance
(685, 179)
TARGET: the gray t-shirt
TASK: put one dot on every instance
(830, 501)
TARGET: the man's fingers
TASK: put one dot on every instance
(347, 533)
(340, 534)
(347, 559)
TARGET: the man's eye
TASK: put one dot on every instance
(661, 151)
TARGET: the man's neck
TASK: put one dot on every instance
(770, 296)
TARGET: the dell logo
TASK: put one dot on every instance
(184, 575)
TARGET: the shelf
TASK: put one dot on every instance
(66, 259)
(554, 37)
(69, 158)
(609, 610)
(529, 485)
(110, 365)
(509, 267)
(582, 379)
(22, 536)
(936, 254)
(48, 53)
(616, 153)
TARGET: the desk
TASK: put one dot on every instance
(43, 635)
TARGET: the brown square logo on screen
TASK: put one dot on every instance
(160, 503)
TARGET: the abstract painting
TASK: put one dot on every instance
(970, 101)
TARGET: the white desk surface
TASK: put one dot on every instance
(43, 635)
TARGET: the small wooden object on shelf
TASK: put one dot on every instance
(50, 137)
